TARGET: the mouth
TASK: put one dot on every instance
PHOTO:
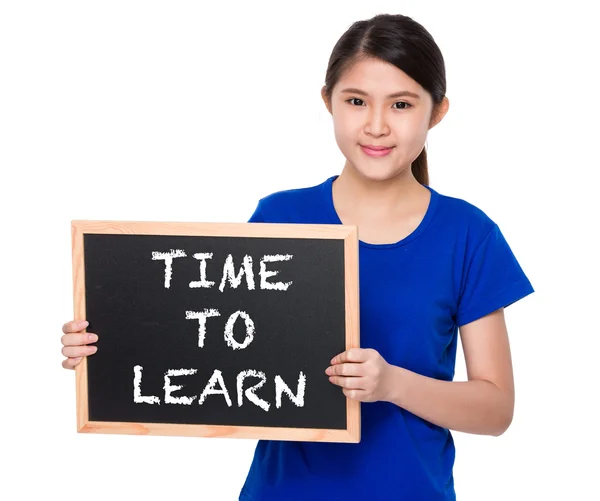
(376, 151)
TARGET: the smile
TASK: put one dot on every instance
(380, 152)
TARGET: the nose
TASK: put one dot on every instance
(377, 125)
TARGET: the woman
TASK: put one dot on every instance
(429, 265)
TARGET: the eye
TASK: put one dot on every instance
(359, 102)
(354, 99)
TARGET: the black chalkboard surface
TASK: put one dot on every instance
(216, 329)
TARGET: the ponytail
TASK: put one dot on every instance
(419, 168)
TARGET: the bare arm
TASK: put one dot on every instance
(482, 405)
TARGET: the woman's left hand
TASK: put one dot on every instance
(362, 373)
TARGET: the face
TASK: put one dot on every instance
(370, 108)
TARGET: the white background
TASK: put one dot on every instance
(192, 111)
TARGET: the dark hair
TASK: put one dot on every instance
(398, 40)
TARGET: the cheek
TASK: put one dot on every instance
(346, 133)
(411, 135)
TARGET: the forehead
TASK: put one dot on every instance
(377, 76)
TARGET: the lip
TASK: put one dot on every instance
(376, 151)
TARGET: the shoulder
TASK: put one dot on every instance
(465, 216)
(292, 196)
(301, 204)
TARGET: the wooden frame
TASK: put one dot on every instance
(264, 230)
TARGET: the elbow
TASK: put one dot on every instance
(504, 417)
(502, 426)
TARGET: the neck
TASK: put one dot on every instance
(373, 195)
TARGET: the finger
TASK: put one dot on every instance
(71, 363)
(354, 383)
(78, 351)
(74, 326)
(359, 395)
(346, 369)
(78, 339)
(351, 355)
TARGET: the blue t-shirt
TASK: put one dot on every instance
(455, 267)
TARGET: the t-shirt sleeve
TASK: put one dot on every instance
(493, 280)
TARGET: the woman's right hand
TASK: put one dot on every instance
(74, 341)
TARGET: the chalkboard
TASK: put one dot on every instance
(216, 329)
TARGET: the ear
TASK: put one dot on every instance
(325, 100)
(439, 112)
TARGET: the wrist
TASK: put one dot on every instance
(394, 383)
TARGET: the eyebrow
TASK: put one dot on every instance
(395, 94)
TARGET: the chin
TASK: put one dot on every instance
(372, 173)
